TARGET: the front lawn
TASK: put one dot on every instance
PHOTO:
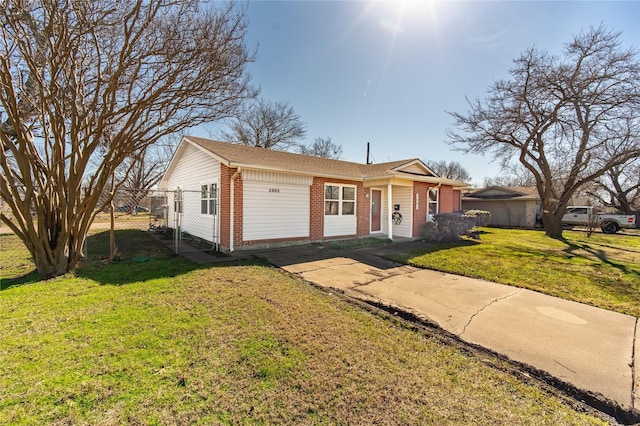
(155, 339)
(603, 270)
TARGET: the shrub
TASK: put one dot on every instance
(449, 226)
(481, 217)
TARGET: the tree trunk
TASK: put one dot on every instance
(56, 247)
(51, 261)
(113, 248)
(552, 225)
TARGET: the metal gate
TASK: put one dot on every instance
(196, 224)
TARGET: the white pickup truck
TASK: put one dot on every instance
(588, 215)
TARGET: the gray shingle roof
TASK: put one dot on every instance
(502, 192)
(234, 155)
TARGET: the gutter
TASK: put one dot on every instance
(232, 210)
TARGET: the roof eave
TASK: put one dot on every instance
(418, 178)
(250, 166)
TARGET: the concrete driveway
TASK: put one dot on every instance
(589, 348)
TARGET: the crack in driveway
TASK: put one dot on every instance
(464, 329)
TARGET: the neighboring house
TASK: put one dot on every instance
(247, 197)
(516, 206)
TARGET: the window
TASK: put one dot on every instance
(348, 200)
(177, 201)
(432, 203)
(339, 200)
(208, 198)
(577, 210)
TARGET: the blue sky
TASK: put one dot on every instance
(386, 72)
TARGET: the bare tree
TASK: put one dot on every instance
(322, 147)
(451, 170)
(273, 125)
(619, 188)
(512, 175)
(141, 172)
(85, 85)
(568, 120)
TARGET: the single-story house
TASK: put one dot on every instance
(515, 206)
(247, 197)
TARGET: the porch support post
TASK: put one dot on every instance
(390, 210)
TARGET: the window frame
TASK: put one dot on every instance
(341, 200)
(209, 199)
(430, 202)
(177, 201)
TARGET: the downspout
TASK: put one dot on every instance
(390, 211)
(232, 210)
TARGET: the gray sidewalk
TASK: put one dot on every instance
(589, 348)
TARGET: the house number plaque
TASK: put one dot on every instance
(274, 189)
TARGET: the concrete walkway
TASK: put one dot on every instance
(589, 348)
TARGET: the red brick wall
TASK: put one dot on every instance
(224, 202)
(363, 207)
(447, 200)
(225, 207)
(316, 209)
(456, 200)
(363, 210)
(238, 206)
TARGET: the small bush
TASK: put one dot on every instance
(448, 226)
(481, 217)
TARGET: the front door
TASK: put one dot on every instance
(376, 200)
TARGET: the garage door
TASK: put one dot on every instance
(275, 211)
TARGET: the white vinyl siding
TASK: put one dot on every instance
(415, 168)
(404, 197)
(190, 173)
(250, 175)
(335, 226)
(275, 210)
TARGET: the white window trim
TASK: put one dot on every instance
(178, 199)
(208, 199)
(429, 203)
(340, 200)
(381, 230)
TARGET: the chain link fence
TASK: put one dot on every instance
(134, 212)
(183, 220)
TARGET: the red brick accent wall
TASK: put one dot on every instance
(316, 209)
(225, 207)
(456, 200)
(447, 200)
(239, 203)
(224, 210)
(363, 207)
(363, 210)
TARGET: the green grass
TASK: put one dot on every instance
(603, 270)
(166, 341)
